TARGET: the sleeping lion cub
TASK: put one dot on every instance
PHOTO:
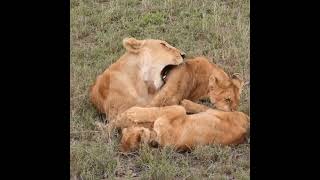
(173, 127)
(196, 79)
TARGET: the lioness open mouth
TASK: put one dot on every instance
(165, 71)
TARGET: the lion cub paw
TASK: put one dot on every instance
(137, 115)
(185, 103)
(131, 115)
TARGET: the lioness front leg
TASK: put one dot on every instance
(192, 107)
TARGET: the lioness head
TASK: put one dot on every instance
(225, 94)
(133, 137)
(155, 57)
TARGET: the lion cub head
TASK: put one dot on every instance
(225, 94)
(155, 57)
(133, 137)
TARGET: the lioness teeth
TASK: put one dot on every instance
(164, 77)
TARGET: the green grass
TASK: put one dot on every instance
(217, 29)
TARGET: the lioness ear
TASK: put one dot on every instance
(132, 45)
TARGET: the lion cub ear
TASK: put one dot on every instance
(236, 76)
(132, 45)
(213, 82)
(144, 135)
(237, 81)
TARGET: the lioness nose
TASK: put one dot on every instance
(183, 55)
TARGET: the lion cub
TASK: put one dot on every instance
(173, 127)
(196, 79)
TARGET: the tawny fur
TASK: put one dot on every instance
(173, 127)
(195, 79)
(135, 77)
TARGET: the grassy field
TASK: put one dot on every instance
(217, 29)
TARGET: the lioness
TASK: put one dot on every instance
(196, 79)
(173, 127)
(135, 77)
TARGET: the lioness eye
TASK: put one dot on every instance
(163, 44)
(228, 100)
